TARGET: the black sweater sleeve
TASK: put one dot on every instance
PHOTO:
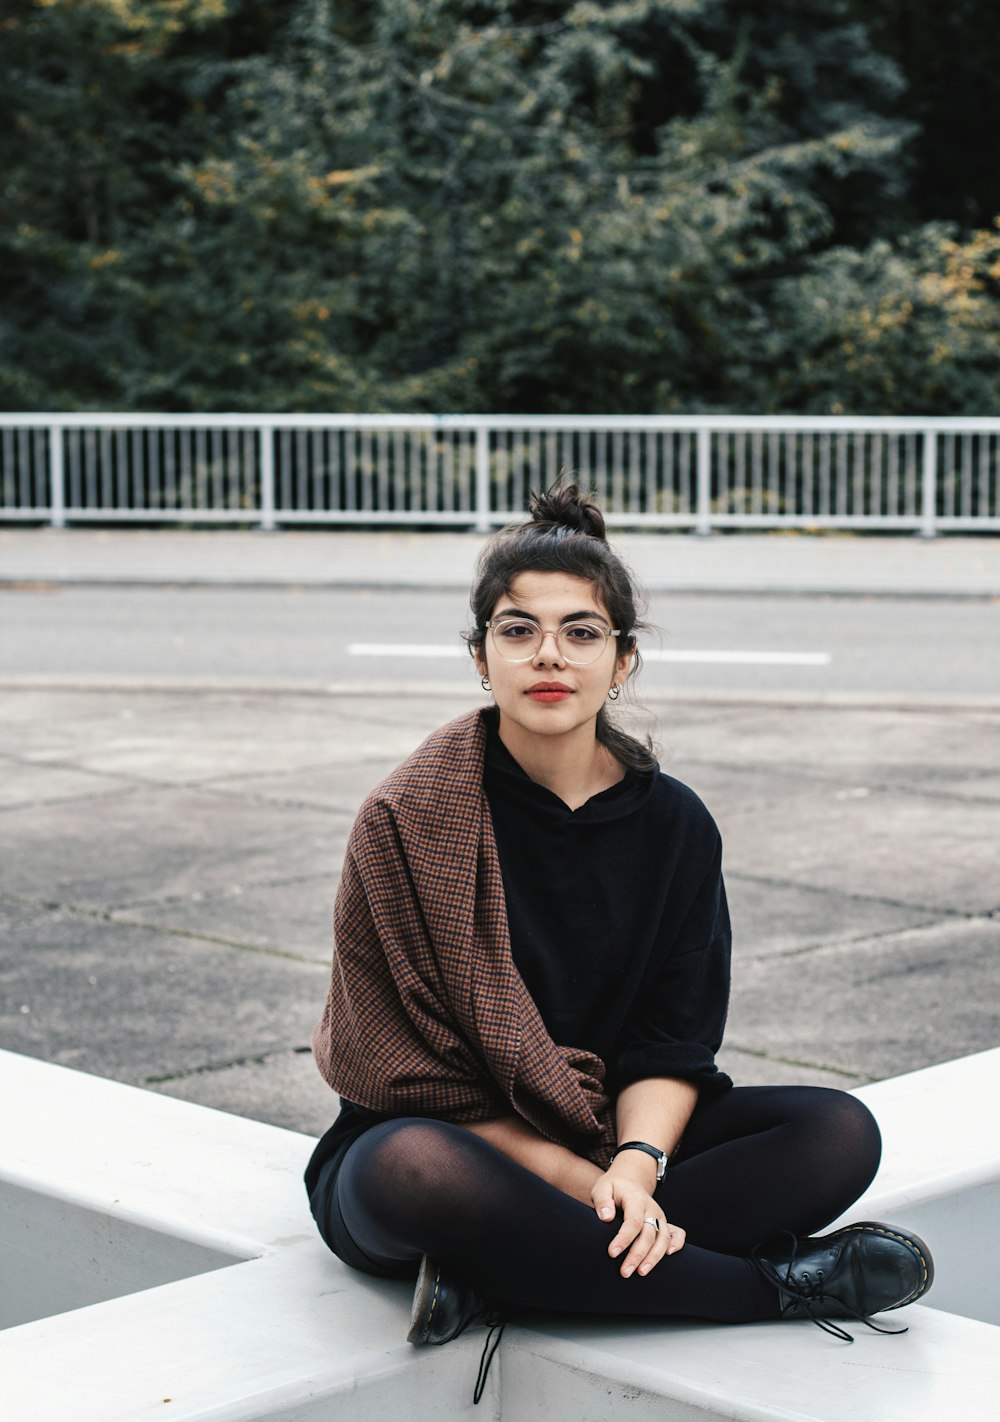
(675, 1024)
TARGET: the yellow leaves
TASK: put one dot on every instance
(967, 268)
(343, 179)
(882, 321)
(575, 250)
(100, 260)
(592, 313)
(339, 176)
(215, 184)
(311, 310)
(163, 16)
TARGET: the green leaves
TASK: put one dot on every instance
(911, 325)
(510, 204)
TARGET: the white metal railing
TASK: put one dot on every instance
(655, 471)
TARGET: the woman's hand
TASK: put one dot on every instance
(620, 1188)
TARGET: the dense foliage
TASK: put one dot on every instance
(543, 205)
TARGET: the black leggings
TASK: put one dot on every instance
(753, 1161)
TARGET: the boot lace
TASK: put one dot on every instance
(490, 1347)
(808, 1293)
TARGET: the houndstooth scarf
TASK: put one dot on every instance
(427, 1014)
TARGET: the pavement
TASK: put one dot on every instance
(168, 857)
(784, 562)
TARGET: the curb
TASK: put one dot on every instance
(438, 585)
(114, 684)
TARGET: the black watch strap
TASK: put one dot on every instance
(659, 1156)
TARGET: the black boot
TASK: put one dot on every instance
(443, 1306)
(856, 1271)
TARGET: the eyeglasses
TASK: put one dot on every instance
(518, 639)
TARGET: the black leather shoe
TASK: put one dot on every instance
(443, 1307)
(862, 1269)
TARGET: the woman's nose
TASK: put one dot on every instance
(556, 651)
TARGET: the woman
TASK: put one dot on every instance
(529, 987)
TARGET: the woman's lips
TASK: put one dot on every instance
(549, 691)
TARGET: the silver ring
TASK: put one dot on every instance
(654, 1223)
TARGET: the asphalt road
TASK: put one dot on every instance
(736, 643)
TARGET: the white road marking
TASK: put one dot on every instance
(756, 659)
(652, 654)
(404, 649)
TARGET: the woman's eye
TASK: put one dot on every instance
(582, 633)
(516, 631)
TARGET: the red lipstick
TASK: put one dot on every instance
(549, 691)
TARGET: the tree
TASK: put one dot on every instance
(100, 100)
(911, 326)
(445, 204)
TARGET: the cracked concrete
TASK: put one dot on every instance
(168, 860)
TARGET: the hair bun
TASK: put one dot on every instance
(564, 508)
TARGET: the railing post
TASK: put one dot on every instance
(57, 478)
(267, 478)
(482, 478)
(703, 509)
(928, 512)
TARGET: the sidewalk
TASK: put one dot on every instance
(783, 563)
(169, 862)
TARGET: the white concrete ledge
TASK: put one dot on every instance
(941, 1175)
(267, 1324)
(945, 1368)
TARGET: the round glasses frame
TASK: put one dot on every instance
(562, 636)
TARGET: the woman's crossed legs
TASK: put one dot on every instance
(753, 1161)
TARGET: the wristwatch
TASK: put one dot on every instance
(659, 1156)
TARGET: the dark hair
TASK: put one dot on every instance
(565, 534)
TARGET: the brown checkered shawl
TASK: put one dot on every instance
(427, 1014)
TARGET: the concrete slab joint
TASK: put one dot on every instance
(174, 1272)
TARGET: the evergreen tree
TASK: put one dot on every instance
(464, 204)
(909, 326)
